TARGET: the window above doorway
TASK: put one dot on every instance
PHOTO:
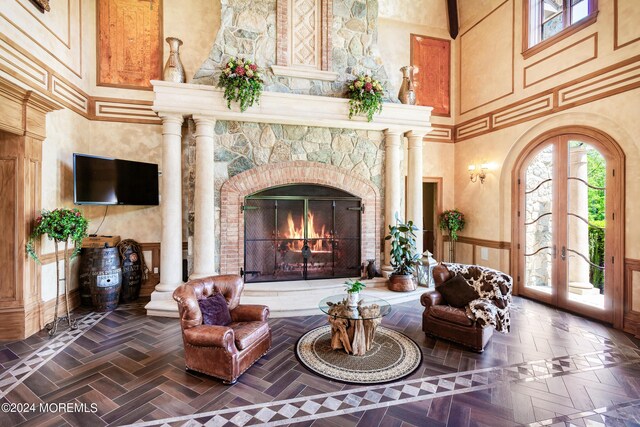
(546, 22)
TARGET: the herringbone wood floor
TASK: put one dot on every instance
(131, 366)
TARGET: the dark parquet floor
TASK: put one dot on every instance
(554, 368)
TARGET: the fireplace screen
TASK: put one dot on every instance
(300, 232)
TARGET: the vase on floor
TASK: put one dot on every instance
(173, 69)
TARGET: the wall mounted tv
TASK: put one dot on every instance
(104, 181)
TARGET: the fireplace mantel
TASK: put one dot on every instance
(174, 102)
(285, 108)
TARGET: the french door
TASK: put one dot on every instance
(569, 241)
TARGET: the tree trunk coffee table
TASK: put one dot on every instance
(353, 328)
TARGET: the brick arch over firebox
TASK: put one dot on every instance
(246, 183)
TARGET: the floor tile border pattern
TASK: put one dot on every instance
(22, 370)
(598, 412)
(326, 405)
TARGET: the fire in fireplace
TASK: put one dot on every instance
(300, 232)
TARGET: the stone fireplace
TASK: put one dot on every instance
(299, 220)
(249, 168)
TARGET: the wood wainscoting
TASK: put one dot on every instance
(631, 316)
(468, 248)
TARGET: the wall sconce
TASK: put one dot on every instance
(474, 173)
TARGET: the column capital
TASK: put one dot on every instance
(176, 118)
(392, 138)
(417, 133)
(393, 132)
(203, 119)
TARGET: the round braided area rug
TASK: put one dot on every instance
(393, 356)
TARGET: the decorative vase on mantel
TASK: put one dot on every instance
(407, 95)
(173, 69)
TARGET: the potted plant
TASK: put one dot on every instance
(452, 221)
(404, 255)
(242, 82)
(353, 288)
(60, 225)
(365, 96)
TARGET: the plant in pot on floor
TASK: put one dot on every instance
(62, 226)
(404, 255)
(353, 288)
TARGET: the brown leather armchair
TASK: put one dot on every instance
(221, 351)
(473, 325)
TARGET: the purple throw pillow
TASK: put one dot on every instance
(215, 310)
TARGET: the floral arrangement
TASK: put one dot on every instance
(59, 225)
(354, 286)
(241, 81)
(365, 96)
(452, 221)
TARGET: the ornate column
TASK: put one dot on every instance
(204, 243)
(162, 303)
(414, 184)
(393, 141)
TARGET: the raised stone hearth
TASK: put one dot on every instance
(238, 154)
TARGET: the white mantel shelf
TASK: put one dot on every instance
(285, 108)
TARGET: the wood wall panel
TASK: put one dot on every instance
(440, 133)
(631, 293)
(431, 58)
(129, 43)
(8, 201)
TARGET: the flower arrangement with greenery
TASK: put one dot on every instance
(365, 96)
(404, 253)
(242, 82)
(354, 286)
(452, 221)
(60, 225)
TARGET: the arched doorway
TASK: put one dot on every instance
(568, 222)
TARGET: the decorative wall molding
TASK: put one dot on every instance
(612, 80)
(440, 133)
(569, 62)
(461, 69)
(35, 74)
(64, 42)
(631, 317)
(483, 243)
(617, 44)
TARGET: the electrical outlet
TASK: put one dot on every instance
(155, 270)
(484, 253)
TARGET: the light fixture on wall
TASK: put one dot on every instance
(476, 173)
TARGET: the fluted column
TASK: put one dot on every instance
(392, 142)
(162, 303)
(204, 243)
(414, 184)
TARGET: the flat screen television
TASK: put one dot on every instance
(104, 181)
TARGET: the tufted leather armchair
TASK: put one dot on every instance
(224, 352)
(472, 326)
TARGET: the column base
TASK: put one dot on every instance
(162, 304)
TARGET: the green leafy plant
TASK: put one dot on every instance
(60, 225)
(241, 81)
(354, 286)
(365, 96)
(404, 254)
(596, 253)
(452, 221)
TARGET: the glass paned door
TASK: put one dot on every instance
(538, 221)
(565, 225)
(586, 213)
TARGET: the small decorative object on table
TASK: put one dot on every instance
(365, 96)
(407, 95)
(452, 221)
(353, 289)
(173, 69)
(371, 269)
(60, 225)
(404, 255)
(242, 82)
